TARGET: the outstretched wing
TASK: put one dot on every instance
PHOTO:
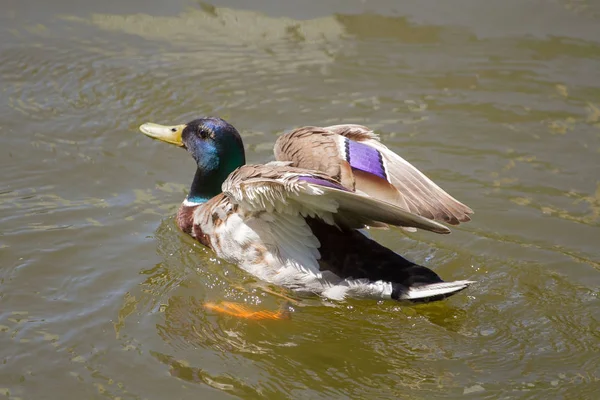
(354, 155)
(294, 191)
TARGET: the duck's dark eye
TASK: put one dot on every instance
(173, 129)
(203, 133)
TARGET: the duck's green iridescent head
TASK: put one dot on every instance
(215, 145)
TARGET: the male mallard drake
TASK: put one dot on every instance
(295, 222)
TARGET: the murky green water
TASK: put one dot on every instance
(101, 296)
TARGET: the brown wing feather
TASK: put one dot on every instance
(353, 132)
(318, 148)
(422, 195)
(275, 187)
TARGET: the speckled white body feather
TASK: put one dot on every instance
(286, 253)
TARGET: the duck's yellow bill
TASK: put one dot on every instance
(169, 134)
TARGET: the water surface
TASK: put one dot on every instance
(102, 296)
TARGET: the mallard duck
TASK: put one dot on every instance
(298, 222)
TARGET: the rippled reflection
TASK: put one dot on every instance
(102, 297)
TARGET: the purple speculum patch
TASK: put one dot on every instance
(363, 157)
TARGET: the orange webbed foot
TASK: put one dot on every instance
(243, 311)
